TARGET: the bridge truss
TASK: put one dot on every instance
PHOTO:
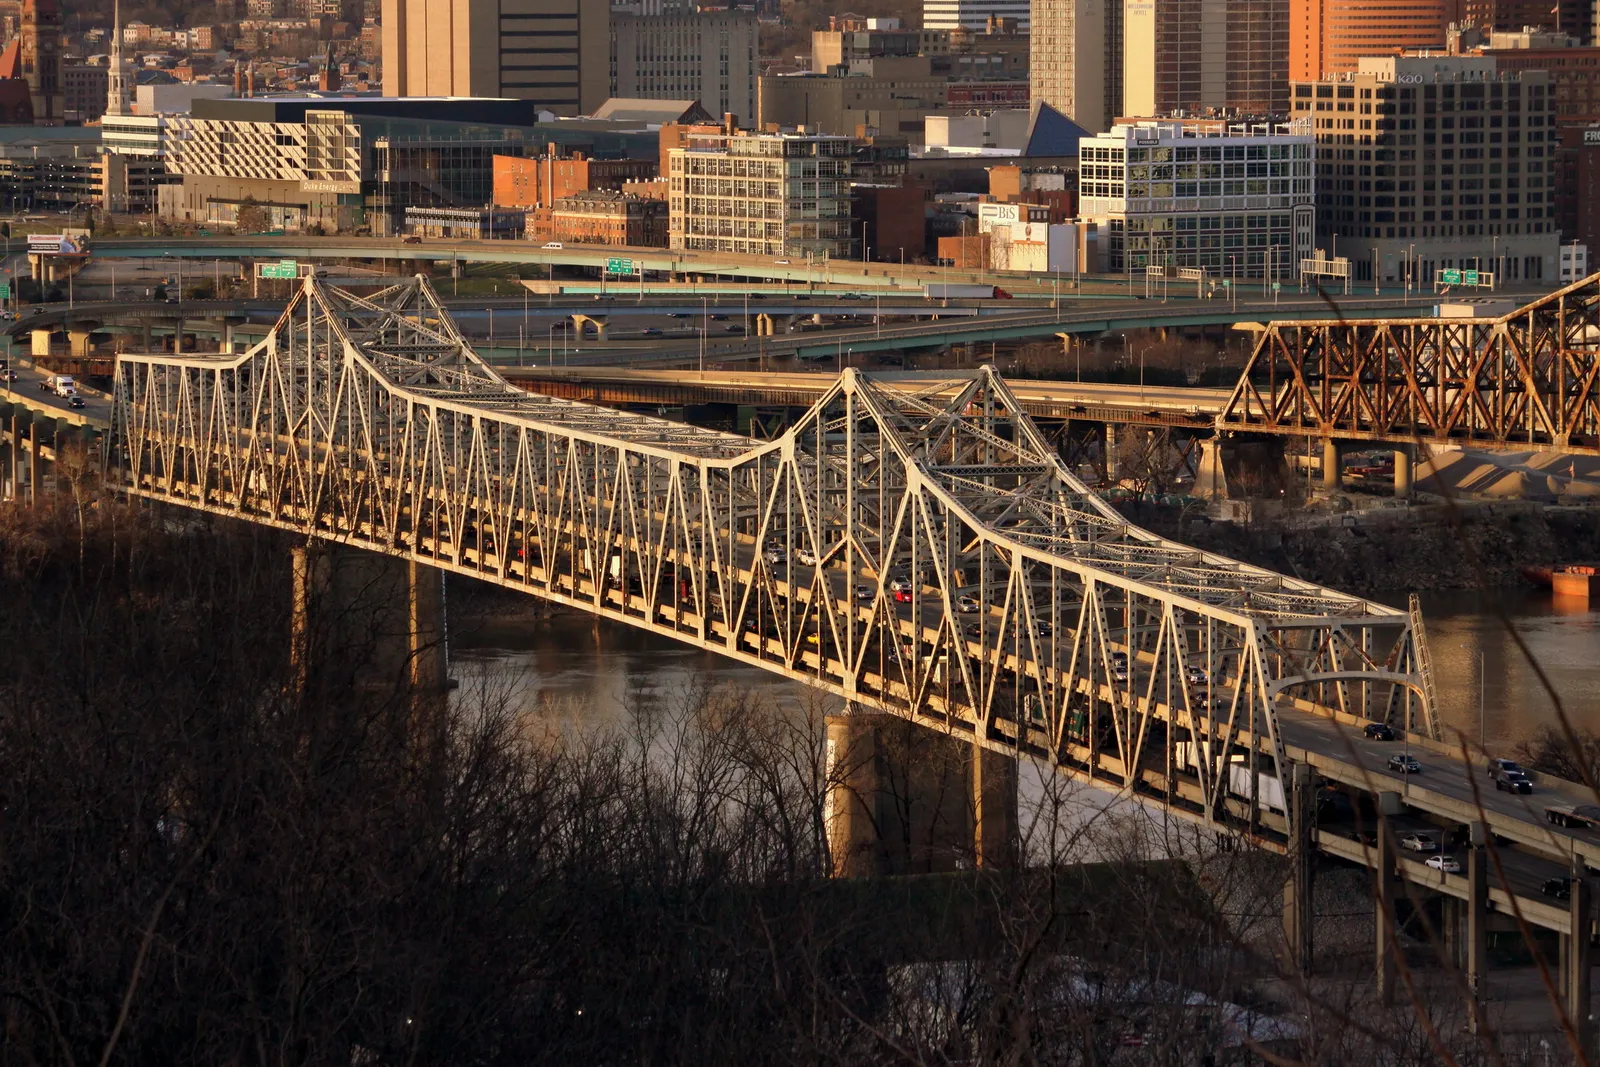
(927, 555)
(1526, 380)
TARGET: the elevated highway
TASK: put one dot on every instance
(1097, 401)
(915, 553)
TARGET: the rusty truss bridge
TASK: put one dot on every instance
(1526, 380)
(925, 554)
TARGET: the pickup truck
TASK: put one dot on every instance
(1586, 816)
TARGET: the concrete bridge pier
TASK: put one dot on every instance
(1386, 925)
(79, 340)
(1210, 478)
(905, 799)
(1404, 464)
(379, 617)
(1332, 474)
(994, 808)
(39, 341)
(1476, 942)
(1577, 961)
(1299, 913)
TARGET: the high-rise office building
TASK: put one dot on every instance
(1075, 59)
(1258, 57)
(972, 14)
(1433, 162)
(41, 60)
(1328, 37)
(1175, 56)
(706, 56)
(553, 52)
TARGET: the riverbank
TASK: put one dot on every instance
(1426, 548)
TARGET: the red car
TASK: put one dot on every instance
(902, 596)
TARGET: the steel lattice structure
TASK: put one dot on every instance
(1529, 379)
(927, 555)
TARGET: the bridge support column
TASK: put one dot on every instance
(1404, 458)
(1299, 911)
(1109, 453)
(14, 456)
(1332, 475)
(851, 814)
(78, 341)
(1578, 961)
(39, 342)
(1477, 908)
(1385, 925)
(378, 618)
(1210, 479)
(994, 808)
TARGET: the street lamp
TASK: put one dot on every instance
(1482, 681)
(491, 326)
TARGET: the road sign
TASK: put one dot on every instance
(1469, 277)
(1450, 276)
(616, 265)
(1276, 286)
(5, 290)
(286, 268)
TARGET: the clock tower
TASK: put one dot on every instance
(41, 59)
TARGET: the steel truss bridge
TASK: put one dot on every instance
(921, 553)
(1526, 380)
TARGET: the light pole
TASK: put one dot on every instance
(491, 326)
(550, 344)
(1482, 682)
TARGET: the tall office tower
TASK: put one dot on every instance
(1575, 18)
(1175, 56)
(1258, 56)
(1075, 60)
(706, 56)
(553, 52)
(972, 14)
(41, 59)
(1328, 37)
(1432, 162)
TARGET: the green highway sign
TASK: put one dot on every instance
(616, 265)
(286, 268)
(5, 290)
(1276, 286)
(1450, 276)
(1469, 277)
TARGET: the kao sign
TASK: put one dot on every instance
(1408, 79)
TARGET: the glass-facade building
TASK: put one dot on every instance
(1235, 199)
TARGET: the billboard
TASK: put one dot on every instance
(57, 244)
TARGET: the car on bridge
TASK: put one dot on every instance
(1405, 764)
(1378, 731)
(968, 605)
(1445, 864)
(1419, 843)
(1514, 782)
(1559, 888)
(1499, 767)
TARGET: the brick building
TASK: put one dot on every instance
(539, 181)
(601, 217)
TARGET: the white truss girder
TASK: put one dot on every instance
(1035, 618)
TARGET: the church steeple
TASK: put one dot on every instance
(119, 90)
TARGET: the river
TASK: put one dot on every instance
(568, 664)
